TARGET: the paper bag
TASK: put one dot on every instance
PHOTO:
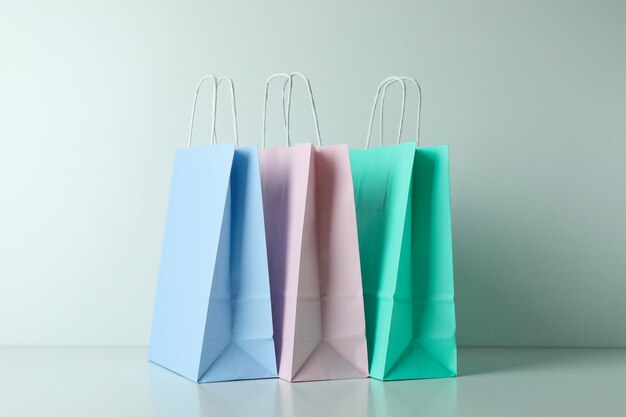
(315, 276)
(212, 315)
(402, 199)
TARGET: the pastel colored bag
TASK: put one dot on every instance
(313, 256)
(212, 313)
(402, 196)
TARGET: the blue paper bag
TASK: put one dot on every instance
(212, 315)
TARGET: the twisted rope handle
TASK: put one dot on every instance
(383, 85)
(216, 83)
(418, 89)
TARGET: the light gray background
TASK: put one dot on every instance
(529, 95)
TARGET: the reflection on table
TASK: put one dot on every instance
(174, 395)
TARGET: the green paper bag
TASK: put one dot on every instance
(402, 199)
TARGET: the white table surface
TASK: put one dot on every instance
(493, 382)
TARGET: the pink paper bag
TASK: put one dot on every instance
(314, 266)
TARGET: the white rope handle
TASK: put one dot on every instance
(381, 86)
(418, 89)
(216, 83)
(267, 84)
(230, 83)
(382, 108)
(313, 108)
(195, 102)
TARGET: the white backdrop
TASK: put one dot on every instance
(530, 96)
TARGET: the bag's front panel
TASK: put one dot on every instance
(342, 350)
(434, 325)
(284, 181)
(218, 334)
(252, 329)
(188, 259)
(308, 323)
(401, 325)
(239, 325)
(382, 180)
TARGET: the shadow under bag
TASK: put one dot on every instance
(212, 315)
(402, 199)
